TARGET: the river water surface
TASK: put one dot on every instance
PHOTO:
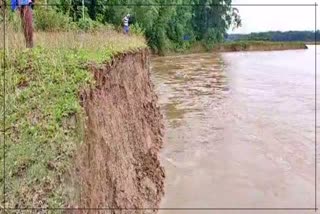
(239, 130)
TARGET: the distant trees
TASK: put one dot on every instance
(167, 24)
(307, 36)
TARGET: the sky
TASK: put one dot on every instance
(282, 18)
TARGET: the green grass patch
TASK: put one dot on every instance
(44, 120)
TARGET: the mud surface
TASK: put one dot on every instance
(118, 164)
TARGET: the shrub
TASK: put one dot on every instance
(137, 29)
(87, 24)
(51, 20)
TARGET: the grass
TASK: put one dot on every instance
(198, 47)
(312, 43)
(44, 120)
(259, 46)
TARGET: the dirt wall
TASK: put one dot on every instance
(118, 165)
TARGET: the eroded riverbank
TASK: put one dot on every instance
(240, 130)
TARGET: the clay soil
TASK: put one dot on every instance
(118, 166)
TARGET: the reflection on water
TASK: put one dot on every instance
(239, 129)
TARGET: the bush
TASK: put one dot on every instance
(137, 29)
(88, 24)
(50, 20)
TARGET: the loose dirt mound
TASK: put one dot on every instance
(118, 164)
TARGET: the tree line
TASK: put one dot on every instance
(306, 36)
(167, 25)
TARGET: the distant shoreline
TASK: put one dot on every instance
(244, 46)
(259, 46)
(312, 43)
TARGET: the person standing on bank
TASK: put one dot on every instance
(25, 9)
(126, 24)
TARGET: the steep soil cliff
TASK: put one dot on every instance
(118, 164)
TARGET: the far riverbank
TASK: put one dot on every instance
(242, 46)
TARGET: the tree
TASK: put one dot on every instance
(174, 24)
(212, 18)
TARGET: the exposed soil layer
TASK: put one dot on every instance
(118, 164)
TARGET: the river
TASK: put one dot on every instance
(240, 130)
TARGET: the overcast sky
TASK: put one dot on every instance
(262, 18)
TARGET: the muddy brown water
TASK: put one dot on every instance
(239, 130)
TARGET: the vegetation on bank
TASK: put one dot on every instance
(244, 46)
(312, 43)
(276, 36)
(173, 25)
(43, 116)
(258, 46)
(167, 28)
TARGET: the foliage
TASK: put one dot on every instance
(51, 20)
(259, 46)
(87, 24)
(137, 30)
(307, 36)
(167, 25)
(173, 27)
